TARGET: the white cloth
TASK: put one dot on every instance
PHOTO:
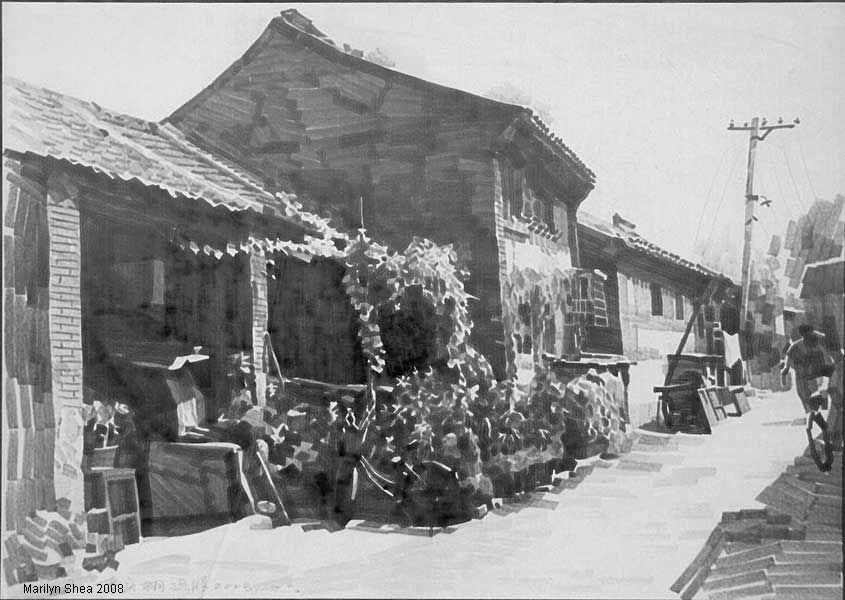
(186, 396)
(732, 353)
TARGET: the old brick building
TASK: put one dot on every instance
(121, 238)
(413, 158)
(650, 292)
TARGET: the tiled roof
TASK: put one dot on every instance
(825, 277)
(50, 124)
(292, 18)
(557, 143)
(636, 242)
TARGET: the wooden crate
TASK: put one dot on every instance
(740, 401)
(116, 491)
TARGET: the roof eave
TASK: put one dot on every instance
(96, 171)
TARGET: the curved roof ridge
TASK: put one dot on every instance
(293, 21)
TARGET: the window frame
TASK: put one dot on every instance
(513, 189)
(600, 314)
(656, 299)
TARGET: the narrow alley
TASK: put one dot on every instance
(653, 509)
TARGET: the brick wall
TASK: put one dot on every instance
(66, 341)
(258, 283)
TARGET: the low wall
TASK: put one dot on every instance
(642, 401)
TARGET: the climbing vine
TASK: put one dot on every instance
(450, 407)
(379, 279)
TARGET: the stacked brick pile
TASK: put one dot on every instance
(790, 549)
(44, 546)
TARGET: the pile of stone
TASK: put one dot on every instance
(597, 422)
(790, 549)
(44, 546)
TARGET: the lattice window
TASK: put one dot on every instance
(599, 304)
(512, 189)
(549, 215)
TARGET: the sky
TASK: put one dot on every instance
(642, 93)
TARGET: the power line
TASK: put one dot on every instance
(707, 198)
(774, 204)
(722, 199)
(794, 183)
(797, 210)
(806, 170)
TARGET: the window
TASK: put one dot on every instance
(512, 189)
(599, 304)
(549, 216)
(679, 307)
(656, 300)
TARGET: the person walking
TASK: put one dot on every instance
(812, 365)
(813, 369)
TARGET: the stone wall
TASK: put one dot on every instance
(539, 298)
(29, 419)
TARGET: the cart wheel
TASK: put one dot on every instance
(666, 410)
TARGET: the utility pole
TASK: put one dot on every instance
(750, 199)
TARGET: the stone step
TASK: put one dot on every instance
(805, 567)
(807, 592)
(824, 533)
(828, 488)
(804, 578)
(765, 563)
(812, 546)
(757, 576)
(804, 557)
(787, 499)
(744, 556)
(830, 478)
(754, 590)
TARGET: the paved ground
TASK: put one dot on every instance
(626, 531)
